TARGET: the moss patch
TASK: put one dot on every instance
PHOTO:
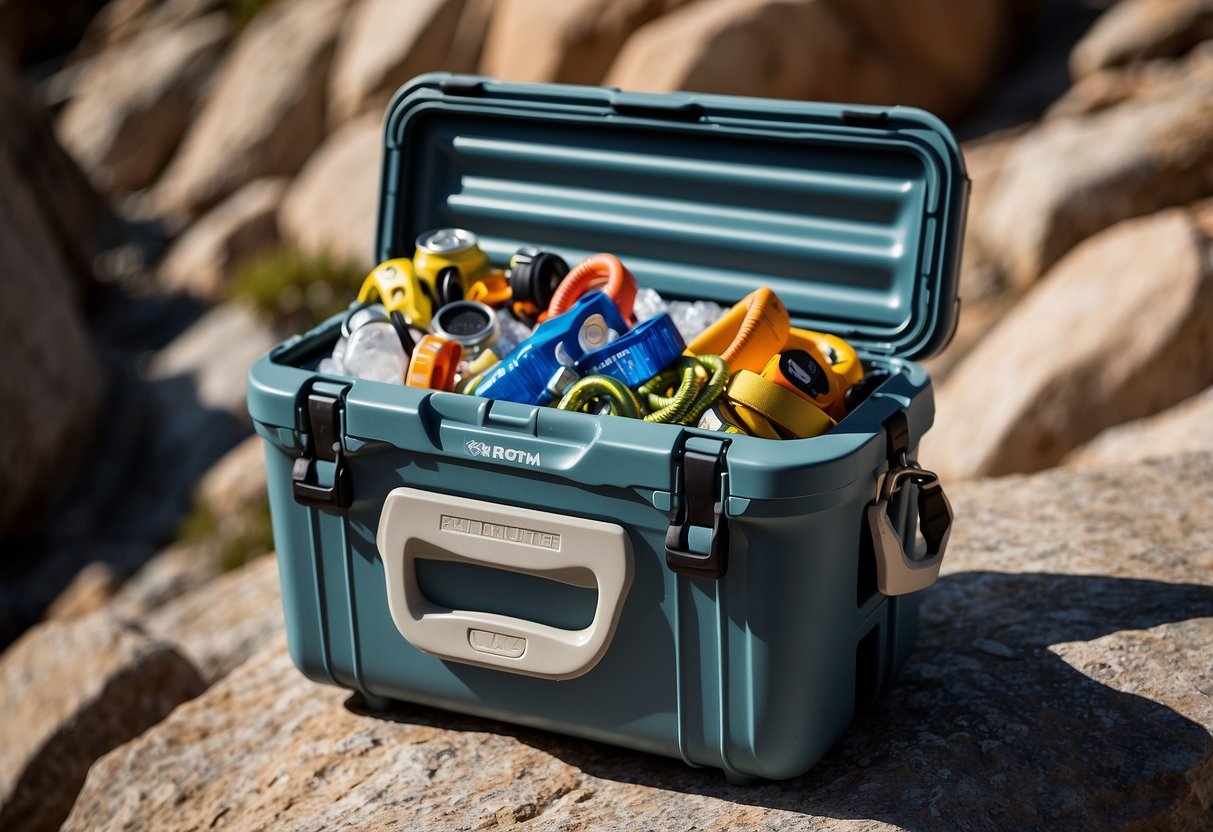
(243, 11)
(297, 290)
(231, 540)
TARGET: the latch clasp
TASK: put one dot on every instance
(697, 542)
(320, 478)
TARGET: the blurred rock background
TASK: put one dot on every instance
(183, 182)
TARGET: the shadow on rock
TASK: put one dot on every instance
(987, 726)
(153, 440)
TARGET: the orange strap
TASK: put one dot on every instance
(601, 271)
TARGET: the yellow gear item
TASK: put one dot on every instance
(470, 372)
(749, 334)
(755, 424)
(806, 372)
(840, 354)
(396, 286)
(484, 361)
(445, 247)
(764, 407)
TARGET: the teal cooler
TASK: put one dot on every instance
(727, 600)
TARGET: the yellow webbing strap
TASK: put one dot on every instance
(766, 409)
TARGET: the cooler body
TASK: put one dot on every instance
(757, 671)
(696, 594)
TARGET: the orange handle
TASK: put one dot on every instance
(749, 334)
(434, 363)
(603, 271)
(493, 290)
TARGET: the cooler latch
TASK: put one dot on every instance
(697, 543)
(319, 478)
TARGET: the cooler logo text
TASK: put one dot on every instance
(477, 448)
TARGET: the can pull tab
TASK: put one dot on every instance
(896, 572)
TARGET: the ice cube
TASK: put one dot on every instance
(648, 304)
(374, 352)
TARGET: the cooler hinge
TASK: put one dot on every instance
(320, 478)
(697, 543)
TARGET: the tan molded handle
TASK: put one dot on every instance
(419, 524)
(896, 572)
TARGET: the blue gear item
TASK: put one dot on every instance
(523, 375)
(638, 356)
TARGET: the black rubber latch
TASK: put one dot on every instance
(701, 505)
(865, 118)
(324, 427)
(897, 433)
(689, 111)
(462, 85)
(934, 516)
(450, 289)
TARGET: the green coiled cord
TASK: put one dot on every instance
(584, 392)
(696, 381)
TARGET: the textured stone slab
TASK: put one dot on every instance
(69, 692)
(1061, 681)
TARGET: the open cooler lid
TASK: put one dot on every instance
(853, 215)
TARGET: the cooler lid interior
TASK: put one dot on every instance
(853, 215)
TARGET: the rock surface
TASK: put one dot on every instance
(93, 587)
(929, 53)
(51, 382)
(204, 259)
(71, 691)
(216, 353)
(1188, 426)
(1135, 30)
(119, 21)
(134, 103)
(237, 480)
(169, 575)
(1069, 178)
(1121, 328)
(266, 112)
(369, 67)
(1057, 682)
(572, 42)
(332, 204)
(220, 624)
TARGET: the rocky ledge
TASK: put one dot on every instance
(1061, 680)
